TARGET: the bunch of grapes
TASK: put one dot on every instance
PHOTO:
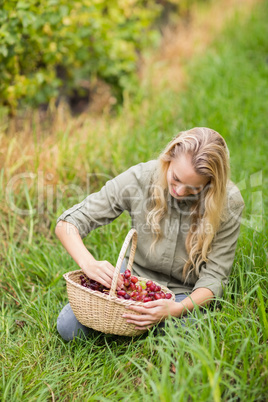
(93, 285)
(133, 289)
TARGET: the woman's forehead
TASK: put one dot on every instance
(183, 170)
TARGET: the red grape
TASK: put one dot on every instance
(132, 288)
(121, 292)
(152, 287)
(139, 288)
(147, 299)
(127, 273)
(126, 283)
(134, 279)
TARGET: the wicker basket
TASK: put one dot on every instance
(100, 311)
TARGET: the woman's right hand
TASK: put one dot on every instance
(102, 272)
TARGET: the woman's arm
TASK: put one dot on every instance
(199, 297)
(156, 311)
(101, 271)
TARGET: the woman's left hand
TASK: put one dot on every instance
(151, 313)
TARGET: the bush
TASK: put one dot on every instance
(50, 47)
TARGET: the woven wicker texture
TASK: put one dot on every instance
(100, 311)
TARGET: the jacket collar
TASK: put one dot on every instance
(187, 201)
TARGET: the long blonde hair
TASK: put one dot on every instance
(210, 158)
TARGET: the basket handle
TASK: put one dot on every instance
(132, 234)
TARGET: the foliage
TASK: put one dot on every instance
(53, 46)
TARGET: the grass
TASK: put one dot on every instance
(224, 355)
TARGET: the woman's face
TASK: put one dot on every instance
(182, 179)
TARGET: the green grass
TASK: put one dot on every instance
(224, 357)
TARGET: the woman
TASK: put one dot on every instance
(187, 215)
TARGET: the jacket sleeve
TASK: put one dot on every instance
(215, 272)
(100, 208)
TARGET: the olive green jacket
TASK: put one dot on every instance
(130, 191)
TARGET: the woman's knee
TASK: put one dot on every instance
(68, 326)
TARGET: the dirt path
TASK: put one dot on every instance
(166, 66)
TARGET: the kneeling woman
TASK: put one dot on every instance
(187, 215)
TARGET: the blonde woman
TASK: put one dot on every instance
(187, 214)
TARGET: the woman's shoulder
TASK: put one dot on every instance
(143, 171)
(235, 200)
(146, 166)
(137, 175)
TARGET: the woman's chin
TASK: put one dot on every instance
(175, 195)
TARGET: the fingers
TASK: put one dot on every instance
(109, 270)
(145, 323)
(105, 280)
(146, 307)
(133, 319)
(138, 309)
(106, 268)
(141, 321)
(152, 304)
(145, 327)
(102, 272)
(120, 281)
(149, 314)
(106, 272)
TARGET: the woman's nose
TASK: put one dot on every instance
(181, 190)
